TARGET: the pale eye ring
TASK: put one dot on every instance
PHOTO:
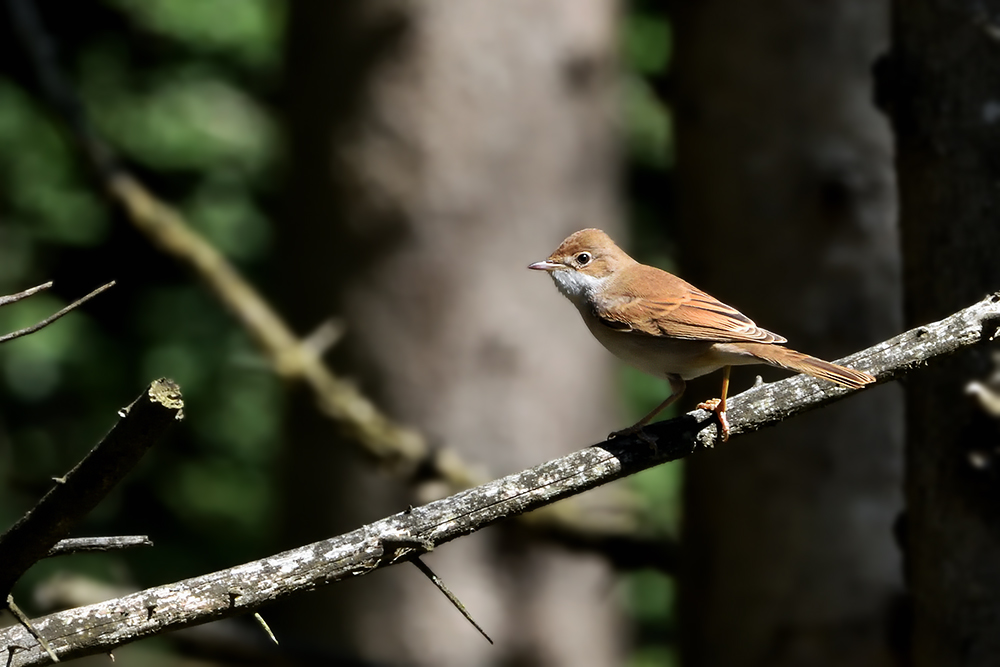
(583, 258)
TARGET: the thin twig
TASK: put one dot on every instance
(75, 545)
(26, 622)
(436, 580)
(13, 298)
(52, 318)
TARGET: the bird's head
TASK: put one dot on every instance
(583, 263)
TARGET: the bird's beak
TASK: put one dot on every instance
(545, 266)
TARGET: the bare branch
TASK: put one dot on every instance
(14, 298)
(411, 533)
(52, 318)
(76, 545)
(142, 425)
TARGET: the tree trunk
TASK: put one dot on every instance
(437, 149)
(941, 86)
(788, 213)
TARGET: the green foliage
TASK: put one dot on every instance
(225, 499)
(652, 594)
(176, 88)
(652, 602)
(33, 366)
(247, 31)
(646, 44)
(650, 133)
(654, 656)
(221, 210)
(43, 193)
(183, 116)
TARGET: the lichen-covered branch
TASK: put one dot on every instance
(142, 425)
(243, 589)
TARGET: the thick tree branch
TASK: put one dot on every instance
(142, 424)
(245, 588)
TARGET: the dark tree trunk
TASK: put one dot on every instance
(941, 86)
(437, 149)
(788, 213)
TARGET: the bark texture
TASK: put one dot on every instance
(788, 213)
(438, 148)
(941, 85)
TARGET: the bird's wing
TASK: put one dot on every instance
(679, 310)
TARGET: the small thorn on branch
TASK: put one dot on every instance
(26, 622)
(436, 580)
(267, 628)
(325, 336)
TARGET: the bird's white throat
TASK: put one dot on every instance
(575, 286)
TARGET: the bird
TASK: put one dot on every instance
(667, 327)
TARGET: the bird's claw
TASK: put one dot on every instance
(715, 405)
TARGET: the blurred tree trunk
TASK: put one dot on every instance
(788, 213)
(941, 87)
(437, 149)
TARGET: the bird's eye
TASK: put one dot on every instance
(583, 258)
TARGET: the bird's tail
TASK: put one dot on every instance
(803, 363)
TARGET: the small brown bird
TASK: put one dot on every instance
(667, 327)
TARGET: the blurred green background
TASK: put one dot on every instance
(154, 75)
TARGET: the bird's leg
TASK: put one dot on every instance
(676, 390)
(718, 405)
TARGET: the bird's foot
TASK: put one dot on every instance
(715, 405)
(638, 431)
